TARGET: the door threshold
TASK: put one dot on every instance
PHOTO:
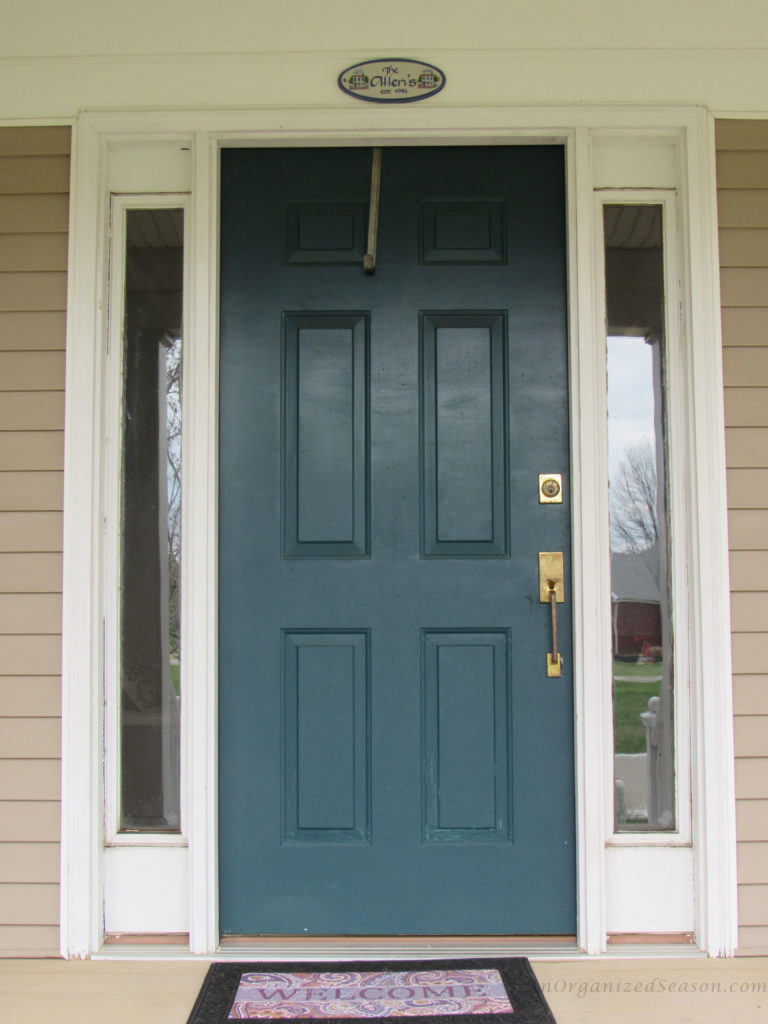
(146, 939)
(262, 949)
(391, 947)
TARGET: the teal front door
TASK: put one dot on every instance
(393, 759)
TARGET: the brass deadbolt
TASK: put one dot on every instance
(550, 488)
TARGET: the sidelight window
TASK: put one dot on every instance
(149, 517)
(641, 621)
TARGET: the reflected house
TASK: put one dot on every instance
(636, 603)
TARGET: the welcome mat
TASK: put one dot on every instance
(482, 991)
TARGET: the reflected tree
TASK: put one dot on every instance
(150, 524)
(634, 500)
(173, 364)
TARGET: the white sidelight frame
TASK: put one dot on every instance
(143, 858)
(676, 355)
(114, 153)
(121, 205)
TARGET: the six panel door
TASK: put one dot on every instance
(393, 759)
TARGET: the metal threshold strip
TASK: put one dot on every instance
(394, 947)
(264, 948)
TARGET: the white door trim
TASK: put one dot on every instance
(712, 753)
(98, 136)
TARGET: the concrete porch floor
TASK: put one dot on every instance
(608, 991)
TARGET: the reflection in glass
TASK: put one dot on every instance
(150, 522)
(644, 790)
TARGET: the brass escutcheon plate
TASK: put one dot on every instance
(551, 570)
(554, 668)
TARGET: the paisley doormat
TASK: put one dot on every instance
(482, 991)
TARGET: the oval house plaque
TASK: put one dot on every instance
(391, 80)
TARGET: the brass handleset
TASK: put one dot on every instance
(552, 592)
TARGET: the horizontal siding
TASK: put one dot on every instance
(27, 696)
(749, 529)
(33, 215)
(30, 573)
(751, 861)
(745, 367)
(30, 738)
(751, 736)
(738, 208)
(749, 650)
(741, 136)
(33, 252)
(753, 905)
(751, 781)
(748, 488)
(37, 655)
(34, 175)
(742, 169)
(742, 247)
(30, 778)
(29, 940)
(31, 410)
(753, 941)
(740, 286)
(745, 407)
(741, 326)
(743, 445)
(27, 450)
(30, 821)
(34, 211)
(750, 694)
(35, 142)
(31, 531)
(32, 491)
(747, 569)
(29, 862)
(26, 903)
(750, 610)
(46, 291)
(39, 331)
(752, 820)
(32, 371)
(30, 613)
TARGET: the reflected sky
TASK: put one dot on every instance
(630, 397)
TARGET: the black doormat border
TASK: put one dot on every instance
(529, 1005)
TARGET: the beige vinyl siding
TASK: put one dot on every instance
(34, 202)
(742, 166)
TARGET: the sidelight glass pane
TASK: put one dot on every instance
(150, 527)
(643, 697)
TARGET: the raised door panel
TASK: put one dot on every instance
(325, 434)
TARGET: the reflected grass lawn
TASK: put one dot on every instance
(633, 687)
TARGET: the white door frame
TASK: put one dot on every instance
(187, 145)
